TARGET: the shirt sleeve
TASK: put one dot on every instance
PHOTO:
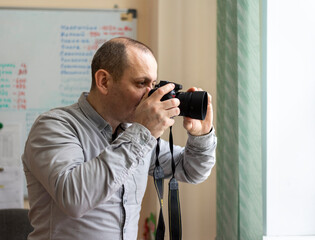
(193, 163)
(55, 157)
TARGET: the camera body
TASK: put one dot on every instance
(192, 104)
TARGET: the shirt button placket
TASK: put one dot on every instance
(124, 203)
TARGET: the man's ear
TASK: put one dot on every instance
(102, 80)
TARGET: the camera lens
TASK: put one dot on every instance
(193, 104)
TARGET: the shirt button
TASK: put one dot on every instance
(125, 201)
(124, 230)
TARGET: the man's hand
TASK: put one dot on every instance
(199, 127)
(155, 115)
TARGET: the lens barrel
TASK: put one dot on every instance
(193, 104)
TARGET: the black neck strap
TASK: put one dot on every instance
(175, 226)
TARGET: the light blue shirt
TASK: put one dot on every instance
(83, 185)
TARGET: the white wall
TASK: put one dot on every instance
(290, 192)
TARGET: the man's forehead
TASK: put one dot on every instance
(135, 49)
(135, 55)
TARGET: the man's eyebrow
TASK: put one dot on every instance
(146, 79)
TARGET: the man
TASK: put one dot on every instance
(87, 164)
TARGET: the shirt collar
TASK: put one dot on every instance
(91, 114)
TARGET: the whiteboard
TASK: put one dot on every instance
(45, 58)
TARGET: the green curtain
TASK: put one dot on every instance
(239, 154)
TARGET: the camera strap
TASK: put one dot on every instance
(174, 214)
(158, 176)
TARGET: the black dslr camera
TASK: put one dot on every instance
(192, 104)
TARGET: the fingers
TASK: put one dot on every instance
(208, 122)
(170, 103)
(200, 127)
(161, 91)
(210, 109)
(173, 112)
(168, 108)
(157, 115)
(193, 89)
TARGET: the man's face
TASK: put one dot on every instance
(126, 93)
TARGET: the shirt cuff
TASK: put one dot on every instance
(204, 141)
